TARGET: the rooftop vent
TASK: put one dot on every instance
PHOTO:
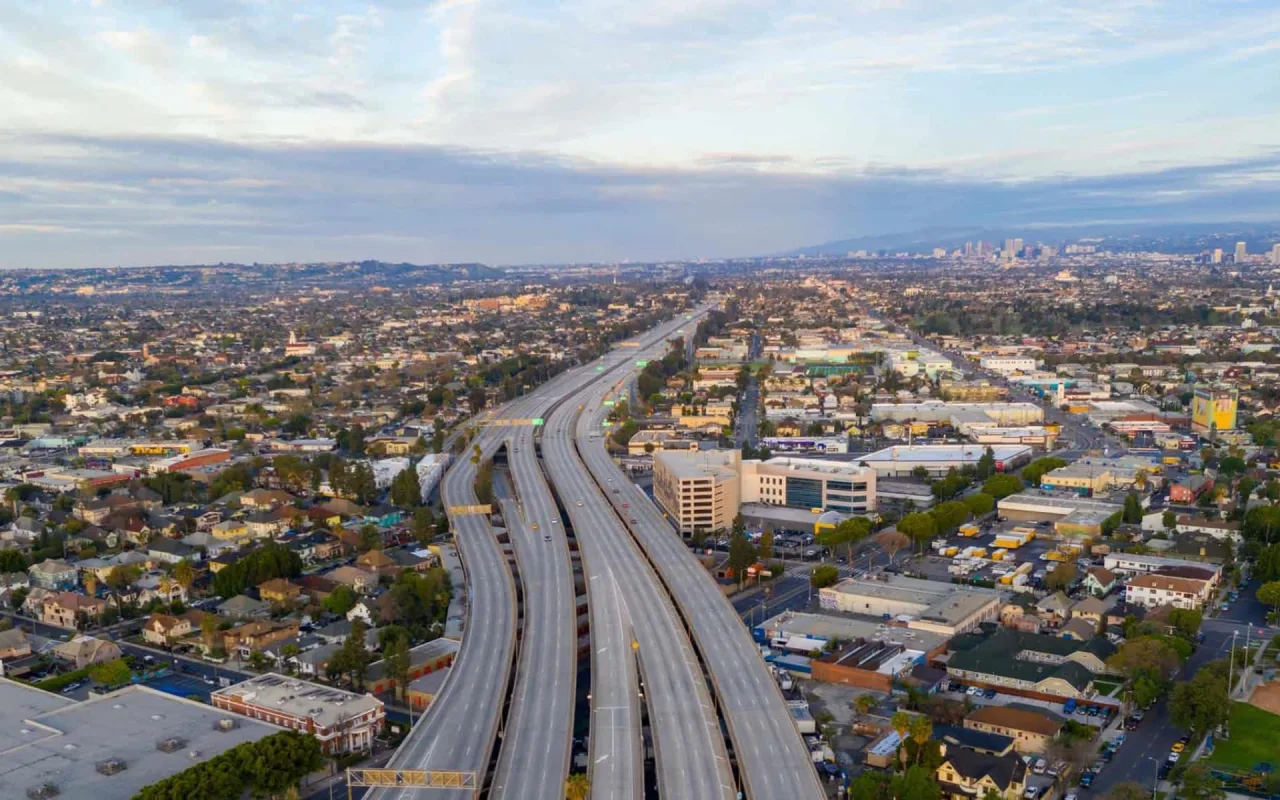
(226, 724)
(110, 767)
(42, 792)
(171, 744)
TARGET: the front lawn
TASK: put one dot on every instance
(1255, 739)
(1105, 688)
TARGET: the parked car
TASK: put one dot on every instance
(990, 693)
(974, 691)
(1040, 766)
(1032, 792)
(1086, 780)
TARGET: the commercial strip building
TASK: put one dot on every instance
(960, 415)
(1072, 515)
(110, 746)
(343, 721)
(941, 608)
(936, 459)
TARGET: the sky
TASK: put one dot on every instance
(519, 131)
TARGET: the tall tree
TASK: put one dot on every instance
(742, 554)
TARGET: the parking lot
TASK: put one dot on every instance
(189, 686)
(937, 567)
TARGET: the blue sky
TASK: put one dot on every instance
(512, 131)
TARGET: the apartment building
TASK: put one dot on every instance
(343, 721)
(701, 491)
(1165, 589)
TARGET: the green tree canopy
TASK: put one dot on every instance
(1001, 486)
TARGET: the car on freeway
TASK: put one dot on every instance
(626, 505)
(579, 504)
(546, 537)
(533, 527)
(633, 520)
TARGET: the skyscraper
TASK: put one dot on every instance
(1217, 255)
(1275, 254)
(1242, 252)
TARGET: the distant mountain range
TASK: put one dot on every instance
(1166, 238)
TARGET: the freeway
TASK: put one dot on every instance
(772, 760)
(459, 731)
(537, 745)
(636, 635)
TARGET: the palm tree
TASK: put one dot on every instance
(577, 787)
(921, 732)
(184, 574)
(91, 584)
(901, 724)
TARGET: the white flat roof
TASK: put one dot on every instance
(946, 453)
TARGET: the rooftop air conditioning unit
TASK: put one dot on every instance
(171, 744)
(42, 792)
(226, 724)
(110, 767)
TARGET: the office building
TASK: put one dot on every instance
(1008, 365)
(1213, 409)
(1242, 252)
(699, 490)
(1216, 258)
(1275, 255)
(809, 483)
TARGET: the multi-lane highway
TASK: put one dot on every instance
(461, 728)
(772, 760)
(537, 743)
(459, 731)
(636, 634)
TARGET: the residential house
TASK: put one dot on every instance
(244, 607)
(171, 551)
(966, 774)
(366, 611)
(54, 574)
(1202, 547)
(377, 561)
(1186, 491)
(311, 663)
(1217, 528)
(317, 587)
(1090, 609)
(162, 629)
(361, 580)
(1099, 581)
(14, 644)
(1054, 608)
(1079, 629)
(278, 590)
(66, 609)
(255, 636)
(265, 499)
(384, 516)
(418, 560)
(83, 651)
(263, 525)
(1031, 731)
(231, 530)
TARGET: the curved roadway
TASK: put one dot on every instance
(772, 759)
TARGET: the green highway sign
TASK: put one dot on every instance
(642, 363)
(600, 368)
(537, 421)
(606, 424)
(608, 402)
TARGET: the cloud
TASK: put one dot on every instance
(194, 199)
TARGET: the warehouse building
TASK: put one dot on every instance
(941, 608)
(901, 461)
(110, 746)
